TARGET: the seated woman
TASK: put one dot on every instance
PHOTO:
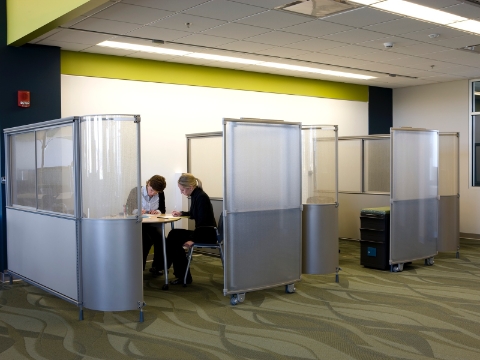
(153, 202)
(202, 212)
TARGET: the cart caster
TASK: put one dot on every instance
(290, 288)
(396, 268)
(429, 261)
(457, 255)
(165, 287)
(237, 298)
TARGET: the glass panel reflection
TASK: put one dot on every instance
(23, 170)
(476, 96)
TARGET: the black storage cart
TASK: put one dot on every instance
(375, 237)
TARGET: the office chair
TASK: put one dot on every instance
(218, 245)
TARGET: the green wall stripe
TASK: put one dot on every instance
(125, 68)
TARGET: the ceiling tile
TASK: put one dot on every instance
(315, 45)
(224, 10)
(64, 45)
(132, 14)
(152, 56)
(204, 40)
(455, 57)
(192, 61)
(400, 26)
(347, 50)
(107, 26)
(419, 49)
(443, 32)
(465, 71)
(283, 52)
(419, 63)
(236, 31)
(316, 28)
(460, 42)
(396, 40)
(443, 78)
(79, 37)
(361, 17)
(246, 46)
(180, 21)
(267, 4)
(466, 10)
(277, 38)
(378, 55)
(274, 19)
(177, 5)
(436, 4)
(44, 36)
(99, 8)
(354, 36)
(153, 32)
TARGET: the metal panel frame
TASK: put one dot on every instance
(225, 199)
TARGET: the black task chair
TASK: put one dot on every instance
(218, 245)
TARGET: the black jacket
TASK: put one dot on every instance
(200, 209)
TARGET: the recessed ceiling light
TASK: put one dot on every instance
(469, 25)
(230, 59)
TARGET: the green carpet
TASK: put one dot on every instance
(424, 312)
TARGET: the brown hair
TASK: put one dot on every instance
(157, 183)
(188, 180)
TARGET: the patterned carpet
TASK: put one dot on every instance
(421, 313)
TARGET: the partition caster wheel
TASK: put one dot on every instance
(457, 255)
(290, 288)
(233, 300)
(396, 268)
(165, 287)
(429, 261)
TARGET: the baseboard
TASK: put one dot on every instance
(470, 236)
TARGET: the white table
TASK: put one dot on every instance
(160, 221)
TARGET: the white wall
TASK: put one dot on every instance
(168, 112)
(443, 107)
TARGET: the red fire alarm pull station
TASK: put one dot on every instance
(24, 98)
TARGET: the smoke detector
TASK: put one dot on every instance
(319, 8)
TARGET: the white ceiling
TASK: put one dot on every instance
(351, 41)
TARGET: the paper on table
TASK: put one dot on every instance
(168, 216)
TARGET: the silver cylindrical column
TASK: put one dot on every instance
(112, 264)
(319, 239)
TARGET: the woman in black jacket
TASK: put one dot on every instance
(202, 212)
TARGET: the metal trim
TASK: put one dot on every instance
(206, 134)
(323, 127)
(413, 129)
(40, 125)
(363, 137)
(273, 122)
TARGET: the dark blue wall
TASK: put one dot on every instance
(33, 68)
(380, 110)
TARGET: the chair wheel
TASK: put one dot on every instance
(165, 287)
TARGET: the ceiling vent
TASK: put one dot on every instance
(319, 8)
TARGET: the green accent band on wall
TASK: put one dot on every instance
(125, 68)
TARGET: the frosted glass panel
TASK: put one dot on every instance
(377, 165)
(109, 163)
(350, 165)
(448, 160)
(415, 166)
(319, 183)
(206, 163)
(23, 170)
(55, 172)
(414, 212)
(264, 167)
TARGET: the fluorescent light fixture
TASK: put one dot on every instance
(144, 48)
(223, 58)
(230, 59)
(366, 2)
(469, 25)
(314, 70)
(418, 11)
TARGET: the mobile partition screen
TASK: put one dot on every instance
(320, 199)
(413, 196)
(68, 226)
(262, 204)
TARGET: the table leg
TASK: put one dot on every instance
(165, 268)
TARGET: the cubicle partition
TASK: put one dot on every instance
(68, 229)
(320, 199)
(448, 188)
(262, 205)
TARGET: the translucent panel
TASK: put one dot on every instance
(476, 96)
(476, 150)
(263, 168)
(206, 162)
(350, 165)
(377, 165)
(319, 166)
(55, 171)
(22, 167)
(415, 165)
(109, 164)
(448, 164)
(414, 215)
